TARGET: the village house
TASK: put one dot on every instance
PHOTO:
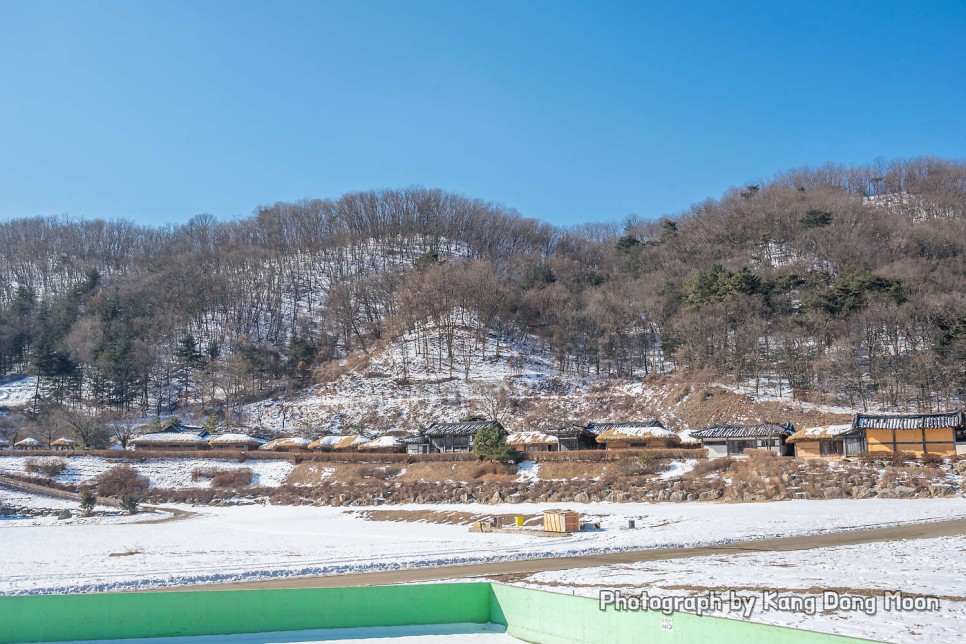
(4, 444)
(290, 444)
(573, 437)
(173, 437)
(733, 440)
(943, 434)
(235, 442)
(416, 444)
(532, 442)
(455, 437)
(828, 441)
(338, 443)
(634, 435)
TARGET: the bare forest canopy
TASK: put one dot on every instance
(842, 280)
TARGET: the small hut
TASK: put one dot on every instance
(532, 442)
(338, 443)
(64, 443)
(634, 435)
(27, 443)
(4, 444)
(827, 441)
(291, 444)
(383, 444)
(733, 440)
(237, 442)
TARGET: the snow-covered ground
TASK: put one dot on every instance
(432, 634)
(18, 393)
(103, 514)
(927, 567)
(166, 473)
(258, 542)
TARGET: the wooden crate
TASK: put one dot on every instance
(561, 521)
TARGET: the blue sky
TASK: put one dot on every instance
(569, 112)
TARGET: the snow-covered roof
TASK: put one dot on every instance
(281, 443)
(531, 438)
(381, 442)
(631, 432)
(27, 442)
(819, 433)
(4, 443)
(235, 439)
(64, 441)
(600, 428)
(338, 442)
(168, 438)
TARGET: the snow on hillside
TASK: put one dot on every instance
(261, 542)
(18, 392)
(165, 473)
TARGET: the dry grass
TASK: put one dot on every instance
(49, 467)
(447, 518)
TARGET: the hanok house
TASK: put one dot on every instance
(828, 441)
(532, 442)
(943, 434)
(416, 444)
(173, 437)
(733, 440)
(64, 443)
(634, 435)
(235, 442)
(573, 437)
(455, 437)
(291, 444)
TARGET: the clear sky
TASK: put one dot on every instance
(569, 112)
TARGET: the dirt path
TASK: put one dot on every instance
(493, 569)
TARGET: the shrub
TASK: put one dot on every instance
(932, 459)
(710, 465)
(48, 467)
(233, 479)
(130, 502)
(121, 481)
(87, 500)
(901, 458)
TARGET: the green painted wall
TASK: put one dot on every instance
(530, 615)
(553, 618)
(129, 615)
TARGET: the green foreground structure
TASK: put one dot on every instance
(530, 615)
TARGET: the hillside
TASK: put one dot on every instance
(822, 290)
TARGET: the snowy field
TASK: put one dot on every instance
(166, 473)
(261, 542)
(105, 514)
(433, 634)
(926, 567)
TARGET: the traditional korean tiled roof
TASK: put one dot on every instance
(568, 431)
(414, 439)
(909, 421)
(827, 432)
(468, 428)
(765, 430)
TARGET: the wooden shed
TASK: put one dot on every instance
(561, 521)
(828, 441)
(634, 435)
(943, 434)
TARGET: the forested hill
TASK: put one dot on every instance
(842, 281)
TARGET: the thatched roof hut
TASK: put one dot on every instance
(64, 443)
(27, 443)
(648, 433)
(383, 444)
(338, 443)
(291, 444)
(237, 441)
(532, 442)
(185, 441)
